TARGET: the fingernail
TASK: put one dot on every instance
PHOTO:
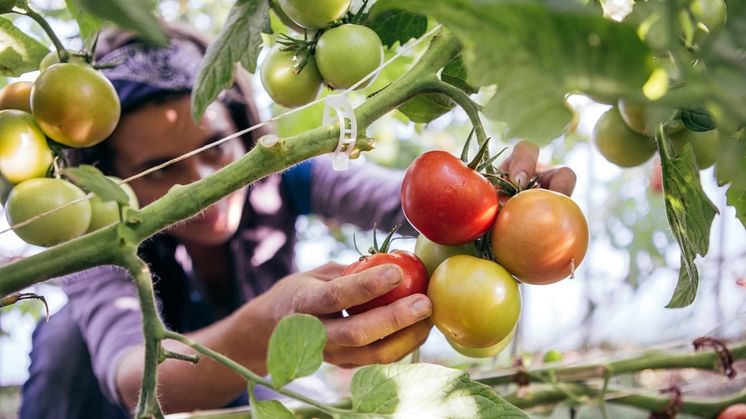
(391, 276)
(521, 178)
(421, 306)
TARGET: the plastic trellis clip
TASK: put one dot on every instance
(347, 129)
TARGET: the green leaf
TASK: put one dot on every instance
(240, 41)
(690, 214)
(87, 23)
(544, 50)
(267, 409)
(425, 390)
(455, 73)
(395, 25)
(19, 53)
(424, 108)
(296, 348)
(134, 15)
(90, 179)
(737, 199)
(697, 120)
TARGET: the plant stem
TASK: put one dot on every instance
(38, 18)
(464, 101)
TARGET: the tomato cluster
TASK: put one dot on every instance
(76, 106)
(339, 55)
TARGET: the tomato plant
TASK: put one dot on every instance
(540, 236)
(316, 14)
(348, 53)
(483, 352)
(75, 105)
(433, 254)
(24, 153)
(446, 200)
(705, 145)
(619, 144)
(283, 84)
(16, 95)
(476, 302)
(414, 280)
(104, 213)
(37, 196)
(736, 411)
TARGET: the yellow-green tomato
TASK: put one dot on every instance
(619, 144)
(54, 58)
(348, 53)
(476, 302)
(75, 105)
(552, 355)
(104, 213)
(37, 196)
(433, 254)
(283, 84)
(315, 14)
(705, 145)
(24, 153)
(483, 352)
(16, 95)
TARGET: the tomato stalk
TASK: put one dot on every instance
(62, 53)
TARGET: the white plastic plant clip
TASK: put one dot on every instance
(347, 129)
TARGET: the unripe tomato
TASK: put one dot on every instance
(16, 95)
(414, 280)
(104, 213)
(736, 411)
(433, 254)
(635, 115)
(282, 83)
(24, 153)
(540, 236)
(5, 188)
(446, 200)
(552, 355)
(619, 144)
(483, 352)
(348, 53)
(710, 16)
(315, 14)
(476, 303)
(54, 58)
(37, 196)
(75, 105)
(705, 145)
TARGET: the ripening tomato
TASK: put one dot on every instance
(736, 411)
(483, 352)
(315, 14)
(619, 144)
(283, 84)
(348, 53)
(414, 280)
(446, 200)
(476, 303)
(540, 236)
(16, 95)
(104, 213)
(433, 254)
(24, 153)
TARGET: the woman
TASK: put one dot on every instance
(225, 278)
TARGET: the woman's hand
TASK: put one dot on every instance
(521, 168)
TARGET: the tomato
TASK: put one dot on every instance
(348, 53)
(710, 16)
(37, 196)
(24, 153)
(735, 411)
(476, 303)
(446, 200)
(705, 145)
(656, 177)
(414, 280)
(540, 236)
(285, 86)
(16, 95)
(75, 105)
(637, 116)
(54, 58)
(433, 254)
(5, 188)
(315, 14)
(620, 145)
(483, 352)
(104, 213)
(552, 355)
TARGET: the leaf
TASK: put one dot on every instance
(424, 108)
(540, 49)
(270, 409)
(19, 53)
(296, 348)
(240, 41)
(90, 179)
(690, 214)
(697, 120)
(395, 25)
(134, 15)
(88, 24)
(425, 390)
(454, 73)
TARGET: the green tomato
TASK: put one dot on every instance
(37, 196)
(54, 58)
(705, 145)
(433, 254)
(619, 144)
(476, 302)
(5, 188)
(637, 117)
(710, 15)
(552, 356)
(75, 105)
(24, 153)
(315, 14)
(16, 95)
(483, 352)
(283, 85)
(348, 53)
(104, 213)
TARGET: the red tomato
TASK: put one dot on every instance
(736, 411)
(446, 200)
(414, 281)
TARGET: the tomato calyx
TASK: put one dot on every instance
(303, 49)
(375, 249)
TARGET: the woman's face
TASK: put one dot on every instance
(156, 133)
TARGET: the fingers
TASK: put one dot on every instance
(343, 292)
(521, 165)
(328, 271)
(368, 327)
(560, 179)
(392, 348)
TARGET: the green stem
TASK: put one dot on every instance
(462, 99)
(38, 18)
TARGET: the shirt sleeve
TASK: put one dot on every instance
(364, 195)
(105, 305)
